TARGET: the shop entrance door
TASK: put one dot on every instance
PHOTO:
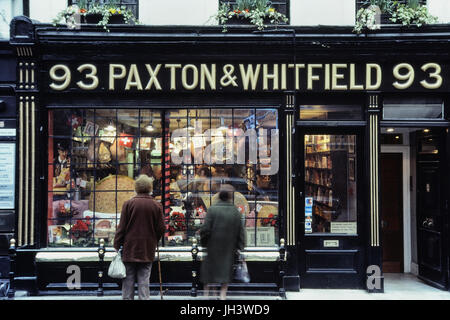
(432, 207)
(391, 190)
(331, 198)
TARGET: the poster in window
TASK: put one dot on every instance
(351, 169)
(7, 177)
(90, 129)
(351, 144)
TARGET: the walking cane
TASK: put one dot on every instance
(159, 270)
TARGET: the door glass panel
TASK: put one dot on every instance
(330, 184)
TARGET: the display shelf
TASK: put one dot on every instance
(325, 216)
(322, 204)
(93, 168)
(319, 185)
(325, 177)
(319, 152)
(328, 169)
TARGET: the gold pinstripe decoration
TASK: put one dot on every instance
(27, 76)
(374, 197)
(27, 168)
(26, 152)
(26, 81)
(290, 189)
(21, 161)
(33, 166)
(24, 51)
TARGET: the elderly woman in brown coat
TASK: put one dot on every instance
(141, 227)
(224, 231)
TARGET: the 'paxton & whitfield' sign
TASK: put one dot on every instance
(247, 77)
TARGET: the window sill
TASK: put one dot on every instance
(180, 254)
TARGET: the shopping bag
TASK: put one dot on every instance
(241, 272)
(117, 269)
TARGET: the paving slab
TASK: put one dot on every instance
(396, 287)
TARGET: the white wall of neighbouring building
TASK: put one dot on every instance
(323, 12)
(8, 10)
(46, 10)
(200, 12)
(440, 9)
(177, 12)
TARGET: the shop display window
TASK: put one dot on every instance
(330, 184)
(95, 155)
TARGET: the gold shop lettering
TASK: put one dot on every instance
(245, 77)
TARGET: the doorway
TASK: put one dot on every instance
(391, 176)
(331, 242)
(412, 181)
(395, 181)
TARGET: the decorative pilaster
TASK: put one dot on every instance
(26, 170)
(375, 280)
(22, 38)
(290, 188)
(290, 276)
(373, 176)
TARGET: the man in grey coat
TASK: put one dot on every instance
(224, 232)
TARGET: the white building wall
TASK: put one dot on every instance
(8, 10)
(177, 12)
(46, 10)
(200, 12)
(440, 9)
(323, 12)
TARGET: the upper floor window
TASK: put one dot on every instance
(132, 5)
(281, 6)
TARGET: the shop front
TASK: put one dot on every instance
(7, 157)
(293, 126)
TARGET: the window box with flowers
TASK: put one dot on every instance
(249, 12)
(93, 12)
(381, 12)
(412, 13)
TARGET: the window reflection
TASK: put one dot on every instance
(96, 154)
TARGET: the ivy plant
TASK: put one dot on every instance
(412, 13)
(255, 11)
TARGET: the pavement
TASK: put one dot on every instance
(396, 287)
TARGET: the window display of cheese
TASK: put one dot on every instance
(239, 201)
(105, 228)
(105, 194)
(267, 216)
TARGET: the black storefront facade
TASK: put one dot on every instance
(7, 146)
(324, 96)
